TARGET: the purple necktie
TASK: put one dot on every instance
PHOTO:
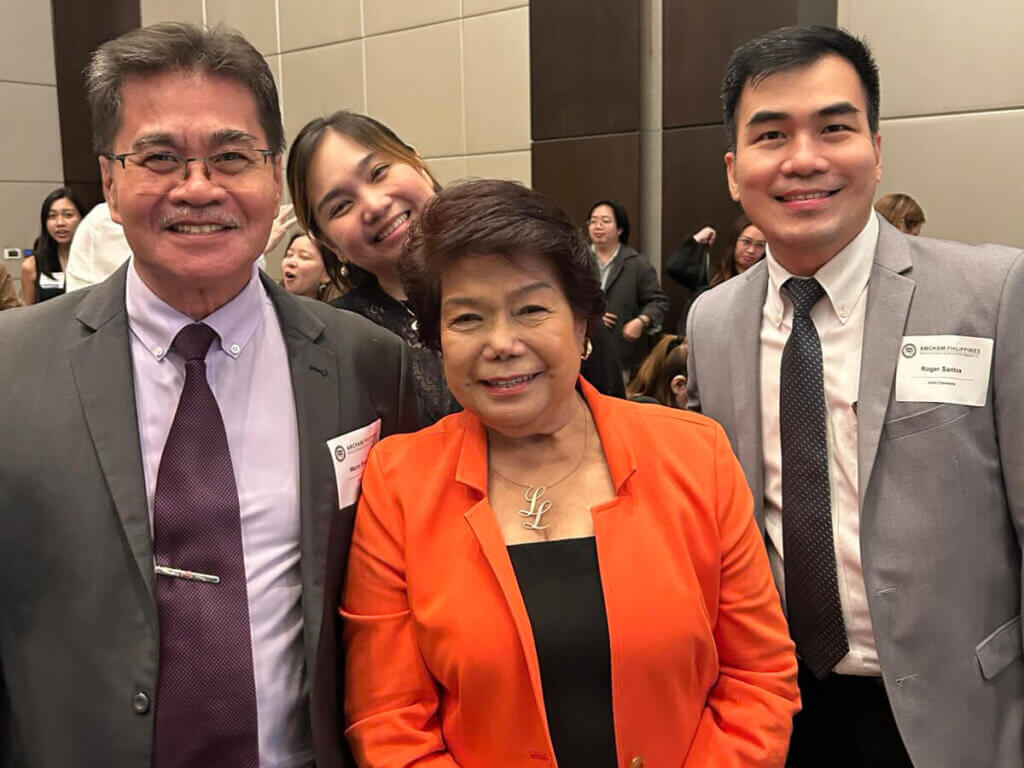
(206, 693)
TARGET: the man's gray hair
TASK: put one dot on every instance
(177, 47)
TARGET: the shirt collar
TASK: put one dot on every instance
(844, 277)
(155, 322)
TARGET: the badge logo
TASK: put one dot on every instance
(909, 350)
(339, 452)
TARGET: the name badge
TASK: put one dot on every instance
(944, 369)
(349, 452)
(56, 281)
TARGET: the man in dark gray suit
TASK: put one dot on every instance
(182, 446)
(871, 384)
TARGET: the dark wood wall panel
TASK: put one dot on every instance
(694, 194)
(584, 67)
(79, 26)
(699, 35)
(578, 172)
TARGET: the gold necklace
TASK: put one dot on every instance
(534, 493)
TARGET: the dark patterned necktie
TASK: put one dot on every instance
(812, 590)
(206, 692)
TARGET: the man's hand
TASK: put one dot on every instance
(632, 330)
(282, 223)
(610, 319)
(705, 236)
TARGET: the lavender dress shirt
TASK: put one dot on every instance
(249, 375)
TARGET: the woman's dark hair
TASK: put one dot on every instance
(790, 48)
(621, 218)
(486, 216)
(47, 258)
(727, 259)
(362, 129)
(654, 377)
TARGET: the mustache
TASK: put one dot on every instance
(184, 214)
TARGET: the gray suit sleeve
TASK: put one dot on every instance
(1008, 395)
(692, 387)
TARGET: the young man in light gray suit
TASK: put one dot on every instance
(872, 386)
(181, 447)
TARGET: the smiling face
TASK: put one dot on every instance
(604, 232)
(62, 220)
(749, 248)
(191, 237)
(511, 343)
(303, 268)
(363, 201)
(806, 164)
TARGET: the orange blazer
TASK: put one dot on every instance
(441, 668)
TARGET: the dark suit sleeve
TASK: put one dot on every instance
(686, 265)
(1008, 395)
(652, 300)
(602, 368)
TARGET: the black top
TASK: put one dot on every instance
(374, 303)
(561, 586)
(48, 286)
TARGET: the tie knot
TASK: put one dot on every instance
(804, 293)
(193, 340)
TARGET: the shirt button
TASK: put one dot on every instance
(158, 351)
(235, 349)
(140, 703)
(636, 762)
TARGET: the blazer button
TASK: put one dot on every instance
(636, 762)
(140, 703)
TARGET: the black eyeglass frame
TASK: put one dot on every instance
(123, 157)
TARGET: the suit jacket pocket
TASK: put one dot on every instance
(921, 421)
(1000, 649)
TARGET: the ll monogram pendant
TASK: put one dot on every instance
(536, 510)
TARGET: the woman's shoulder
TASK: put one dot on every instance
(646, 422)
(430, 443)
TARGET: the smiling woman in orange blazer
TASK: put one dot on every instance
(452, 656)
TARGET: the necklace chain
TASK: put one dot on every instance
(534, 493)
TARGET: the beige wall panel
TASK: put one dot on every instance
(391, 15)
(30, 150)
(447, 169)
(320, 81)
(496, 50)
(474, 7)
(27, 54)
(942, 57)
(506, 165)
(154, 11)
(306, 23)
(965, 171)
(414, 84)
(256, 19)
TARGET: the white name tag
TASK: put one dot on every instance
(944, 369)
(349, 452)
(56, 281)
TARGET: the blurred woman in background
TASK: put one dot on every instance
(902, 211)
(744, 248)
(42, 273)
(662, 376)
(305, 271)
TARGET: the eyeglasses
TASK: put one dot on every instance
(601, 220)
(746, 242)
(161, 167)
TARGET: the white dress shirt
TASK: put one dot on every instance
(248, 372)
(839, 318)
(97, 249)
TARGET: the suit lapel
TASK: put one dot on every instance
(745, 368)
(101, 365)
(616, 268)
(889, 295)
(314, 374)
